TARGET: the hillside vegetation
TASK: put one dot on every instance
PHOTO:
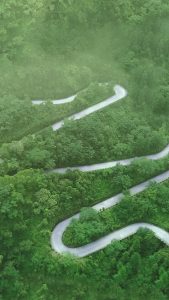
(51, 49)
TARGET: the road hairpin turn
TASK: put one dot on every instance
(57, 234)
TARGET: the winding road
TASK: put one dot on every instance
(56, 237)
(110, 164)
(55, 102)
(120, 93)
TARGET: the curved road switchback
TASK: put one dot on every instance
(56, 237)
(120, 93)
(57, 234)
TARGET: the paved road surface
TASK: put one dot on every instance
(120, 93)
(106, 165)
(56, 237)
(56, 102)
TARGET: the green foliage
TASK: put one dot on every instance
(13, 31)
(26, 253)
(143, 208)
(33, 118)
(53, 49)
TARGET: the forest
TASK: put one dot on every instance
(53, 49)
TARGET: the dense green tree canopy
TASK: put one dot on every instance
(52, 49)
